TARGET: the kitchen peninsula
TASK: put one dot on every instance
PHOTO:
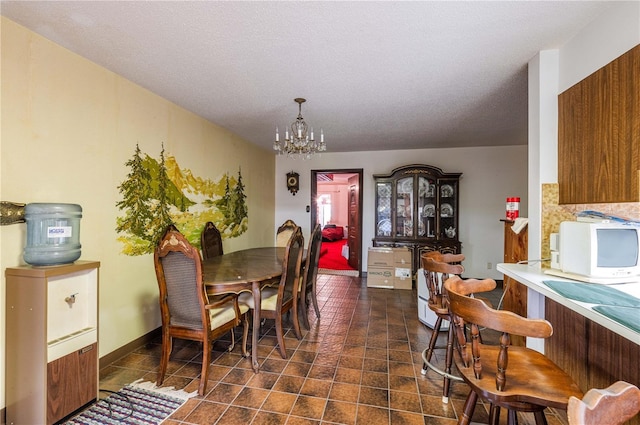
(594, 349)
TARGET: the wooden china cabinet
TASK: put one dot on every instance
(417, 208)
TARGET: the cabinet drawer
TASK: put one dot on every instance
(72, 382)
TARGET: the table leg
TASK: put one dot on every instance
(255, 289)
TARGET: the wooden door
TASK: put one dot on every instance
(353, 209)
(353, 236)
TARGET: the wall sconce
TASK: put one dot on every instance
(293, 182)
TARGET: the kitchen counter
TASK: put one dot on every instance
(592, 348)
(533, 277)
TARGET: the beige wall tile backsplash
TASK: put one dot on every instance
(553, 213)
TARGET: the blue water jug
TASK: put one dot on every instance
(53, 234)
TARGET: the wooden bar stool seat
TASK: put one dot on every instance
(515, 378)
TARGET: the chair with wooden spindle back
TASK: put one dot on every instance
(435, 273)
(515, 378)
(613, 405)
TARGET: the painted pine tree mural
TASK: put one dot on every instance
(239, 201)
(136, 201)
(158, 193)
(160, 217)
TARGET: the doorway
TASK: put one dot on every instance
(336, 202)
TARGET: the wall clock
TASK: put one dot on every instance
(293, 182)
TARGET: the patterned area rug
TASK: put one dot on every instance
(140, 403)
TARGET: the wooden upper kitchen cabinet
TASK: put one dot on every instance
(599, 135)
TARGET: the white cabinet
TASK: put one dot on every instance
(425, 314)
(52, 341)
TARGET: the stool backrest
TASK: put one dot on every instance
(474, 313)
(436, 272)
(613, 405)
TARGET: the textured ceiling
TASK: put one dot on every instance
(376, 75)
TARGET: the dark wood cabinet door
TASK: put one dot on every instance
(599, 135)
(72, 382)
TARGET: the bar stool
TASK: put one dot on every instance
(436, 271)
(613, 405)
(516, 378)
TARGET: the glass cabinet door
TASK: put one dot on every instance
(448, 209)
(383, 209)
(404, 207)
(427, 201)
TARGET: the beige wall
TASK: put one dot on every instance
(68, 126)
(489, 175)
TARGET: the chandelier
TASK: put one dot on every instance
(300, 142)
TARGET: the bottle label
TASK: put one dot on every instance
(59, 232)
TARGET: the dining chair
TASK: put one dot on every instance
(515, 378)
(211, 241)
(276, 301)
(435, 273)
(284, 232)
(613, 405)
(185, 309)
(310, 274)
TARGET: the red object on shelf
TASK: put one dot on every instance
(513, 208)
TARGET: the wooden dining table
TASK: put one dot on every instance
(242, 271)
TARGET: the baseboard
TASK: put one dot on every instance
(128, 348)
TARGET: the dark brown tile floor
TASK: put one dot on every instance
(359, 364)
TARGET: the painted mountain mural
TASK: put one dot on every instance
(156, 194)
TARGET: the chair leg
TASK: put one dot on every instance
(494, 415)
(541, 419)
(164, 357)
(314, 299)
(469, 407)
(245, 335)
(296, 320)
(512, 417)
(280, 336)
(206, 359)
(432, 344)
(448, 362)
(303, 309)
(233, 340)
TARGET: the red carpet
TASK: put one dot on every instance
(331, 256)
